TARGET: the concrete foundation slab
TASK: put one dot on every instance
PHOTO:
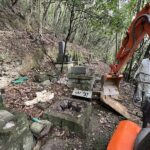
(71, 113)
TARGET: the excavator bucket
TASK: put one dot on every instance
(110, 85)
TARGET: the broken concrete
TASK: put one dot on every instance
(70, 113)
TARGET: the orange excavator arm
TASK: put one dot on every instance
(139, 27)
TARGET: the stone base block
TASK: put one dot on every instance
(75, 117)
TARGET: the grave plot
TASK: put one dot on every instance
(67, 60)
(81, 78)
(70, 113)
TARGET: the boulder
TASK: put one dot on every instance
(41, 77)
(41, 128)
(20, 136)
(36, 127)
(5, 117)
(46, 83)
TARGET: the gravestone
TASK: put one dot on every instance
(61, 47)
(78, 70)
(67, 57)
(67, 62)
(81, 78)
(61, 51)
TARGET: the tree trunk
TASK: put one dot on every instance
(14, 2)
(45, 12)
(40, 18)
(69, 33)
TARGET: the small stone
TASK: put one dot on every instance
(41, 77)
(46, 83)
(6, 116)
(99, 114)
(45, 131)
(79, 116)
(46, 122)
(64, 105)
(36, 127)
(42, 106)
(18, 62)
(108, 125)
(101, 121)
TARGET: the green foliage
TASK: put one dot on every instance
(94, 27)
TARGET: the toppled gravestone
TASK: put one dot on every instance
(71, 113)
(14, 132)
(81, 78)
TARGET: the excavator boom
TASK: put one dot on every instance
(139, 27)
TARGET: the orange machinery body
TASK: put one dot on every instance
(124, 136)
(139, 27)
(127, 131)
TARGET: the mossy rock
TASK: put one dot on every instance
(20, 138)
